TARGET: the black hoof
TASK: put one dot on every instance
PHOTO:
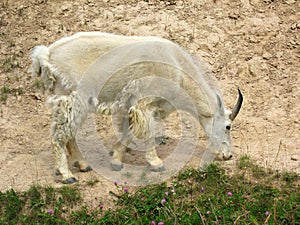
(87, 169)
(70, 180)
(116, 165)
(158, 169)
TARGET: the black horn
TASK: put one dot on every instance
(237, 107)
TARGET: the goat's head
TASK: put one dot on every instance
(219, 139)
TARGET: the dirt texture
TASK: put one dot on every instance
(250, 44)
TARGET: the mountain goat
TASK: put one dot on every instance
(134, 78)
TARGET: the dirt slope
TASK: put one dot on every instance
(250, 44)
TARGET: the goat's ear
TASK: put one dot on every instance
(220, 105)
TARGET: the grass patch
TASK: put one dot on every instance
(10, 63)
(92, 182)
(38, 84)
(289, 176)
(248, 164)
(6, 91)
(193, 197)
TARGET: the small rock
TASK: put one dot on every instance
(107, 14)
(214, 39)
(188, 126)
(66, 6)
(234, 15)
(179, 3)
(37, 96)
(294, 158)
(267, 55)
(295, 26)
(257, 67)
(254, 2)
(256, 22)
(290, 2)
(142, 4)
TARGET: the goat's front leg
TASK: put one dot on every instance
(120, 146)
(119, 150)
(156, 164)
(76, 156)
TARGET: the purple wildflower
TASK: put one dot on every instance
(202, 189)
(160, 223)
(267, 213)
(208, 212)
(229, 194)
(166, 193)
(153, 223)
(163, 201)
(101, 206)
(125, 189)
(116, 183)
(51, 211)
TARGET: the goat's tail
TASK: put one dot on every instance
(42, 67)
(40, 59)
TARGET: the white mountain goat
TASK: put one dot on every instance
(134, 78)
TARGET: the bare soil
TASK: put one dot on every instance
(250, 44)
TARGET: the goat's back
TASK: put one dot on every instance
(73, 55)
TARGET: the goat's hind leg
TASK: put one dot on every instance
(76, 157)
(61, 160)
(61, 134)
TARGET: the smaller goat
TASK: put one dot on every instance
(128, 76)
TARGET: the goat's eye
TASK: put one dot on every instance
(228, 127)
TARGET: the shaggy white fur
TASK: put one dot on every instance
(82, 68)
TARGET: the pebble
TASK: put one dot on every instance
(290, 2)
(142, 4)
(106, 15)
(179, 3)
(66, 6)
(267, 55)
(294, 158)
(214, 39)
